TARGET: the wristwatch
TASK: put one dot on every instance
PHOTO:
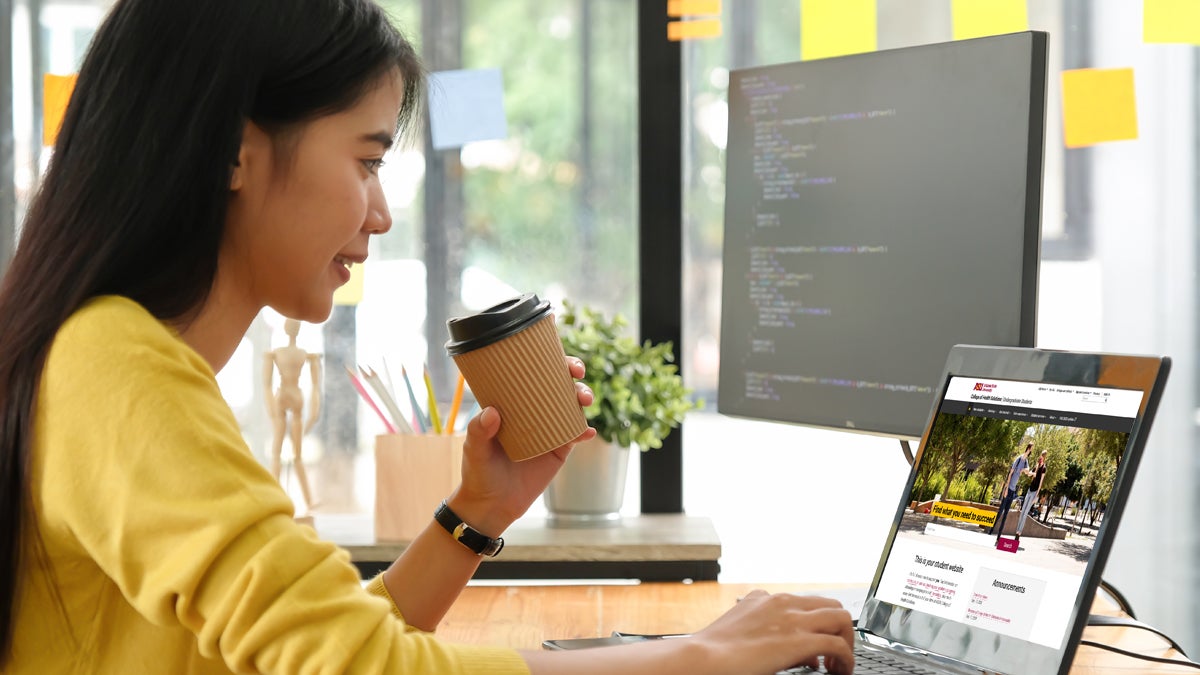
(479, 543)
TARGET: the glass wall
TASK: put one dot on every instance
(549, 208)
(1119, 243)
(552, 208)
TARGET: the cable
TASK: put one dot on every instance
(1145, 657)
(1117, 597)
(1128, 622)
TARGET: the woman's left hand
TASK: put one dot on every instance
(495, 490)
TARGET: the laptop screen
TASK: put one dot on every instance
(1013, 483)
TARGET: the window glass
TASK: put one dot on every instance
(1119, 239)
(551, 208)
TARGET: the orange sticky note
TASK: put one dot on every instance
(1098, 105)
(836, 27)
(977, 18)
(1172, 21)
(693, 30)
(350, 293)
(56, 93)
(693, 7)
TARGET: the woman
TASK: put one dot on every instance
(218, 158)
(1031, 492)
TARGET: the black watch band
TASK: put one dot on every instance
(466, 535)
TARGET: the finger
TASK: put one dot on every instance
(584, 394)
(485, 424)
(839, 656)
(828, 621)
(815, 602)
(578, 370)
(755, 594)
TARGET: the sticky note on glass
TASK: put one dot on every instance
(696, 29)
(351, 292)
(693, 7)
(977, 18)
(466, 106)
(836, 27)
(1098, 106)
(1171, 21)
(56, 93)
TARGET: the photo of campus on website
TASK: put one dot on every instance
(1009, 493)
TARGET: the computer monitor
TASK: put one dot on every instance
(880, 208)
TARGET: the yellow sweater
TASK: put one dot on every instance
(165, 547)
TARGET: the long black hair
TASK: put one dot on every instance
(134, 200)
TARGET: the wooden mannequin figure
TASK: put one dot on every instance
(285, 404)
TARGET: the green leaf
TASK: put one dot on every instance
(640, 396)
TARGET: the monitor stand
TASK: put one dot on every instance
(907, 449)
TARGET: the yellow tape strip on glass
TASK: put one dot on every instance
(693, 7)
(979, 18)
(836, 27)
(693, 30)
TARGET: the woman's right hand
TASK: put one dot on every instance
(761, 635)
(766, 632)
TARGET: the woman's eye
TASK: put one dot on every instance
(373, 165)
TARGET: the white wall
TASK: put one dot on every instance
(1144, 208)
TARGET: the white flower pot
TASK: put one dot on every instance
(590, 488)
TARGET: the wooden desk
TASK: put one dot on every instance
(523, 616)
(670, 547)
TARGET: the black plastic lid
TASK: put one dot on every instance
(468, 333)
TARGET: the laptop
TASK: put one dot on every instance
(957, 589)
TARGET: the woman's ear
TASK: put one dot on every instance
(235, 174)
(255, 141)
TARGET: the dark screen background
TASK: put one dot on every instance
(876, 215)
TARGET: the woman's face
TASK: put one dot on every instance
(299, 218)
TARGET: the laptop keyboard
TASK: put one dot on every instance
(872, 662)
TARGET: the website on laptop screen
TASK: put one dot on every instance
(1009, 494)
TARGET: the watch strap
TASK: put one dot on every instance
(476, 541)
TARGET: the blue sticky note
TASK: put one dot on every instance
(466, 106)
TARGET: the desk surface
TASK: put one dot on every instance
(523, 616)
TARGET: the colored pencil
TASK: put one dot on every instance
(412, 399)
(389, 402)
(455, 404)
(434, 417)
(362, 391)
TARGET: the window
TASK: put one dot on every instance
(1119, 241)
(550, 209)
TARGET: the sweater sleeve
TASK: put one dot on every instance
(147, 473)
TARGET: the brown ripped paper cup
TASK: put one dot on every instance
(512, 358)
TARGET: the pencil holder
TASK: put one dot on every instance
(413, 474)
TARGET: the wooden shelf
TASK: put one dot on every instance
(667, 547)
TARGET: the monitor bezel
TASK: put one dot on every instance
(1031, 251)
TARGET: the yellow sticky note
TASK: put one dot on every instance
(693, 7)
(56, 93)
(350, 293)
(1175, 21)
(1098, 105)
(693, 30)
(977, 18)
(836, 27)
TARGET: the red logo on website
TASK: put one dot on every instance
(984, 386)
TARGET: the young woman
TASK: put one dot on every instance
(219, 157)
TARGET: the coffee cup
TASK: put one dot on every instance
(512, 358)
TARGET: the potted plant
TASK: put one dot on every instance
(639, 399)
